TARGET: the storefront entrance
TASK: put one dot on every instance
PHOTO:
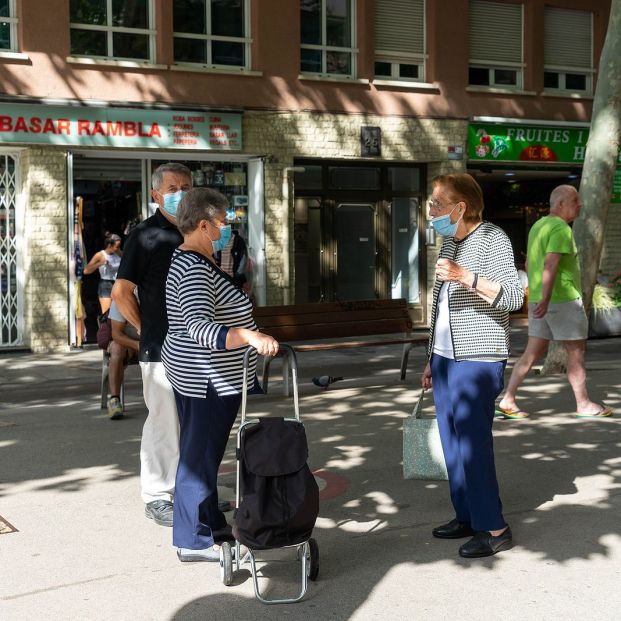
(113, 195)
(516, 197)
(357, 232)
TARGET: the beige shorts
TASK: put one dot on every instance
(566, 321)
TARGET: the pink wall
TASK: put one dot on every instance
(44, 33)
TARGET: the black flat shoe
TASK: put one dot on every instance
(453, 530)
(485, 544)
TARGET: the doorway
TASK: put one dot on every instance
(358, 230)
(111, 195)
(355, 251)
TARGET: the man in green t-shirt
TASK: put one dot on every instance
(555, 310)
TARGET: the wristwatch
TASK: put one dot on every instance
(473, 286)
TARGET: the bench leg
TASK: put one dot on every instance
(122, 395)
(404, 359)
(104, 381)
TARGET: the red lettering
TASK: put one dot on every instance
(98, 129)
(20, 125)
(130, 128)
(155, 131)
(114, 128)
(6, 124)
(64, 125)
(141, 131)
(35, 125)
(84, 127)
(49, 127)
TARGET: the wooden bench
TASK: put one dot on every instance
(339, 325)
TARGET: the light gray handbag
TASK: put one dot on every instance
(422, 451)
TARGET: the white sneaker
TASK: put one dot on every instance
(115, 409)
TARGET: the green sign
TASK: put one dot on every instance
(119, 127)
(527, 143)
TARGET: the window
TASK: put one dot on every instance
(327, 31)
(495, 44)
(400, 39)
(212, 33)
(119, 29)
(8, 26)
(568, 51)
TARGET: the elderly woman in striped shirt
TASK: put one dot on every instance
(210, 326)
(476, 287)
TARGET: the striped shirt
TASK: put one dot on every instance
(480, 331)
(202, 304)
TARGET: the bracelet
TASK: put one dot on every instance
(473, 287)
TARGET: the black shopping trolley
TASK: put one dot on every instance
(276, 498)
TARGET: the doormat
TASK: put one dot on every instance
(6, 527)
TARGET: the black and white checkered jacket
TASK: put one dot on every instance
(480, 330)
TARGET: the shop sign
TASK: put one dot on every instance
(524, 143)
(120, 127)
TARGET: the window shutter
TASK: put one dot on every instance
(400, 26)
(567, 38)
(495, 32)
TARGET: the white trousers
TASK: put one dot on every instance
(159, 449)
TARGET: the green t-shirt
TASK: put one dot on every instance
(553, 234)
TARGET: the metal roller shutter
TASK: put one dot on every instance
(495, 32)
(568, 38)
(400, 26)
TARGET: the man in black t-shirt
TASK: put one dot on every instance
(146, 259)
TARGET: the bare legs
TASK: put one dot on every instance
(535, 349)
(576, 374)
(116, 367)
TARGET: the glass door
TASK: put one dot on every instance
(355, 251)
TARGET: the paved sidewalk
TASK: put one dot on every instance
(83, 549)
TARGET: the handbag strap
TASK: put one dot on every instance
(419, 405)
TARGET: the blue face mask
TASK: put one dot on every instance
(225, 237)
(171, 202)
(443, 225)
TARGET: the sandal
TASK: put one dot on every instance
(603, 413)
(510, 414)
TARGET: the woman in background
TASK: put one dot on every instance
(107, 261)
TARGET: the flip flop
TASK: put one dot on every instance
(603, 413)
(510, 414)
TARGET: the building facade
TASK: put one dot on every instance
(323, 121)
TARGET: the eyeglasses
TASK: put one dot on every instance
(437, 205)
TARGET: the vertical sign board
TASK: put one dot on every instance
(370, 141)
(120, 127)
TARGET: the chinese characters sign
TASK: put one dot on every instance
(120, 127)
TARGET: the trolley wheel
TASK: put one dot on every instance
(312, 560)
(226, 563)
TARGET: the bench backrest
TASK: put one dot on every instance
(300, 322)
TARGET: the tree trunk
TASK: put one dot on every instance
(600, 162)
(602, 155)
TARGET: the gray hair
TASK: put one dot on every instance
(199, 204)
(559, 193)
(158, 174)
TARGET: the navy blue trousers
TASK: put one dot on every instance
(205, 425)
(464, 394)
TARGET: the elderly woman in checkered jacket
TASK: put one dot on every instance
(477, 286)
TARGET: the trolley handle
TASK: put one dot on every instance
(284, 350)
